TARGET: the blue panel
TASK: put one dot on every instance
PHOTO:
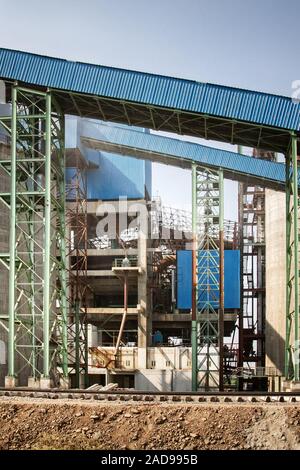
(231, 279)
(152, 90)
(115, 176)
(184, 279)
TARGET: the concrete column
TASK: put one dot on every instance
(11, 382)
(144, 320)
(92, 336)
(275, 279)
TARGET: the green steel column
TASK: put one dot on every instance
(31, 231)
(12, 238)
(47, 241)
(63, 255)
(32, 291)
(296, 256)
(194, 332)
(288, 364)
(221, 277)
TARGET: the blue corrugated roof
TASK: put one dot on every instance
(154, 90)
(182, 153)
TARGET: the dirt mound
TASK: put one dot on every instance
(42, 424)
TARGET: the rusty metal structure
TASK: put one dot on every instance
(251, 343)
(77, 245)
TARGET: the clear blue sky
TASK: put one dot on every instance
(249, 44)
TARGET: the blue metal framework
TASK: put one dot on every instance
(183, 154)
(186, 107)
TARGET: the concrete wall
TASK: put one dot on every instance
(163, 380)
(275, 279)
(158, 358)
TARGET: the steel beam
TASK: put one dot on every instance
(12, 237)
(296, 255)
(194, 282)
(221, 281)
(292, 264)
(47, 243)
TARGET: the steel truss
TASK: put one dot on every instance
(208, 279)
(45, 320)
(292, 265)
(37, 316)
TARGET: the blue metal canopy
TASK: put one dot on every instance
(180, 153)
(187, 107)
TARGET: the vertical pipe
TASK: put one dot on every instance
(12, 238)
(287, 355)
(47, 241)
(194, 282)
(296, 256)
(221, 282)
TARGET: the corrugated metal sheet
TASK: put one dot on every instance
(153, 90)
(185, 151)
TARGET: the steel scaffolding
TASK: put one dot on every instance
(47, 258)
(208, 279)
(37, 316)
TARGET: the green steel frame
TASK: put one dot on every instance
(292, 265)
(208, 279)
(39, 327)
(38, 324)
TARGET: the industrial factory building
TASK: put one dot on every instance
(100, 281)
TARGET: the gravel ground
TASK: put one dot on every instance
(42, 424)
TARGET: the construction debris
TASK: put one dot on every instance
(110, 386)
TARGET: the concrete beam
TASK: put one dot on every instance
(113, 310)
